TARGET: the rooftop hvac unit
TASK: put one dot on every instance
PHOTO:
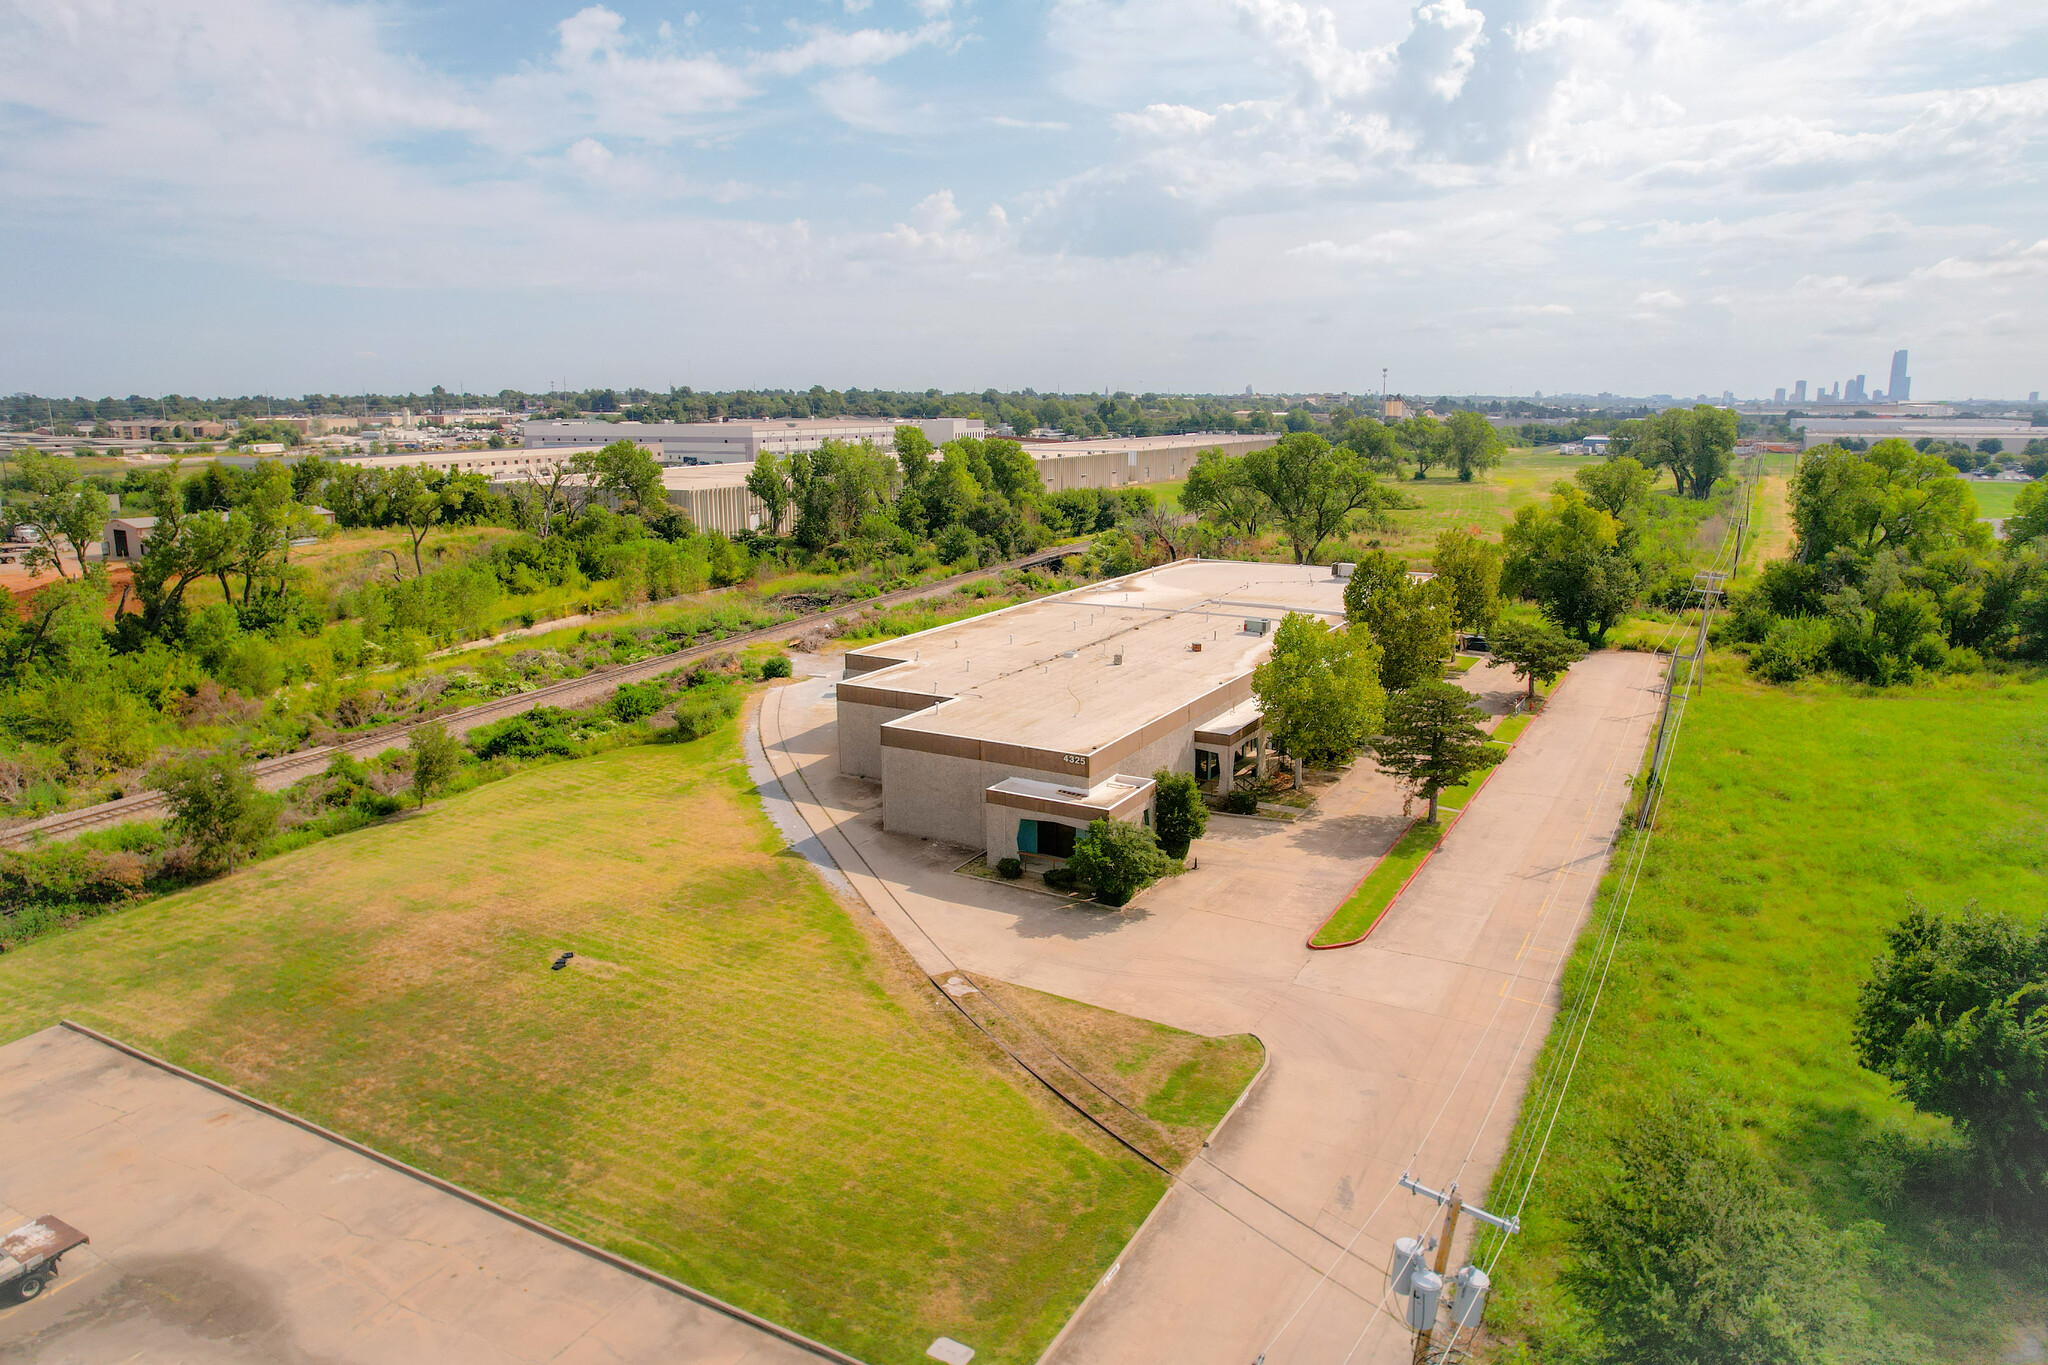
(1116, 659)
(1195, 648)
(1343, 570)
(1257, 625)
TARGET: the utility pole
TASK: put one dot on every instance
(1424, 1288)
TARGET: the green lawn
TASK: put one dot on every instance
(1798, 823)
(1454, 798)
(1364, 906)
(1485, 505)
(1995, 499)
(1511, 727)
(733, 1082)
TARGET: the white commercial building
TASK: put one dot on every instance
(740, 442)
(1012, 731)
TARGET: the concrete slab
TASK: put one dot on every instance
(1407, 1052)
(223, 1234)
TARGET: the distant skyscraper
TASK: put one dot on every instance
(1901, 388)
(1856, 392)
(2033, 395)
(1799, 392)
(1727, 398)
(1835, 393)
(1778, 397)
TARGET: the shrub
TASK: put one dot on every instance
(1179, 815)
(775, 666)
(1116, 858)
(703, 709)
(636, 701)
(1792, 648)
(1696, 1251)
(1060, 878)
(216, 807)
(1241, 803)
(531, 734)
(1010, 869)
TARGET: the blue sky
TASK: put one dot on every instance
(1648, 195)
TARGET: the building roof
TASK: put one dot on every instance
(1077, 672)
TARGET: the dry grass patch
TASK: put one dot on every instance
(1183, 1082)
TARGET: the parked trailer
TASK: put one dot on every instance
(29, 1254)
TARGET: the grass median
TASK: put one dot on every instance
(734, 1081)
(1363, 908)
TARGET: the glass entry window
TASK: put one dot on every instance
(1047, 838)
(1208, 766)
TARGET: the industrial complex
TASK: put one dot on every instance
(1011, 731)
(739, 442)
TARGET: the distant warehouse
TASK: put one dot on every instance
(741, 442)
(1012, 731)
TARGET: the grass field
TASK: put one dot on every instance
(1363, 907)
(1995, 499)
(736, 1082)
(1798, 823)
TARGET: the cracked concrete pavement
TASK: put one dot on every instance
(1409, 1051)
(222, 1234)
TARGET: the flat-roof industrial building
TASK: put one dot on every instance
(1009, 732)
(741, 442)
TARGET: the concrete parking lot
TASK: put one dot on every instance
(222, 1234)
(1409, 1051)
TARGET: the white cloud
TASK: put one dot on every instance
(1661, 298)
(839, 49)
(862, 101)
(1034, 125)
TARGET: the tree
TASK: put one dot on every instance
(1616, 485)
(63, 511)
(1426, 442)
(913, 453)
(1956, 1015)
(1313, 488)
(1432, 740)
(1115, 858)
(436, 757)
(1474, 444)
(1218, 490)
(1568, 558)
(1888, 497)
(1319, 689)
(768, 480)
(627, 471)
(215, 805)
(1411, 622)
(1375, 445)
(417, 505)
(1537, 653)
(1179, 815)
(1693, 1251)
(1470, 568)
(2029, 519)
(1696, 445)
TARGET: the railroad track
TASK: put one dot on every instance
(275, 774)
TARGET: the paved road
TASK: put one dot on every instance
(221, 1234)
(1420, 1038)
